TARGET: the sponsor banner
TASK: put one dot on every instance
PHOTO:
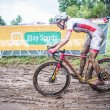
(36, 38)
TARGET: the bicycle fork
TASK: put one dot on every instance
(52, 79)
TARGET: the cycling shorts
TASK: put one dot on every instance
(96, 41)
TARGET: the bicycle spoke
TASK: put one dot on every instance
(44, 83)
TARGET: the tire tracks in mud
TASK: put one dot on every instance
(16, 87)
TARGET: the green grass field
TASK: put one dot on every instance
(22, 60)
(35, 60)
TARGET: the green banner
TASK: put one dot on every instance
(42, 38)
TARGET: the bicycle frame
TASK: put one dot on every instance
(59, 72)
(63, 59)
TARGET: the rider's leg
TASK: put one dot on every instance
(92, 62)
(82, 59)
(92, 56)
(84, 52)
(95, 46)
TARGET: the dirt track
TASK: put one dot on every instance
(17, 93)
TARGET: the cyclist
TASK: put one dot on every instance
(94, 40)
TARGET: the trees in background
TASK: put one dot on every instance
(51, 20)
(2, 22)
(64, 4)
(85, 8)
(107, 3)
(17, 21)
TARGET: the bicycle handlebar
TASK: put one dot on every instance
(55, 55)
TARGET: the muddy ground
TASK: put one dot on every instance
(17, 93)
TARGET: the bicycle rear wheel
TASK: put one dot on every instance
(43, 74)
(105, 65)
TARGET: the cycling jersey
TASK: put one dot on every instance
(95, 33)
(82, 24)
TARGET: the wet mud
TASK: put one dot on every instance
(17, 93)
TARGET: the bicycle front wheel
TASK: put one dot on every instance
(105, 65)
(43, 74)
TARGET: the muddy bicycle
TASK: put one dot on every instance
(53, 77)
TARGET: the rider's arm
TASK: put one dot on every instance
(65, 40)
(62, 43)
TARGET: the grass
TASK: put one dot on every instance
(36, 60)
(23, 60)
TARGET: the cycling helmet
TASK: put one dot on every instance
(60, 16)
